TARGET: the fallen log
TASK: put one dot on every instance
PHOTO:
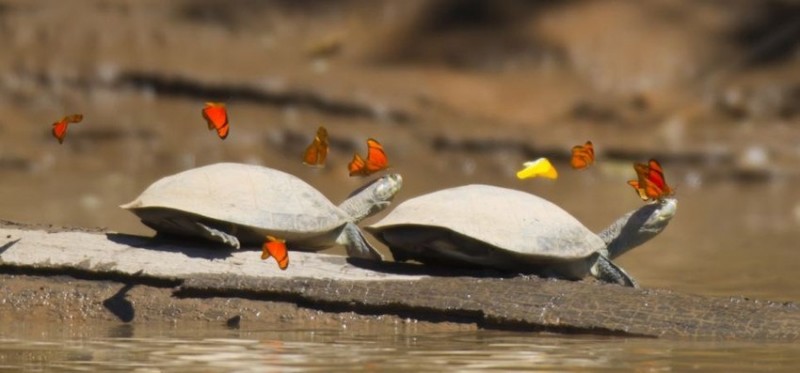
(335, 284)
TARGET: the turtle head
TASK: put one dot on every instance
(638, 226)
(372, 197)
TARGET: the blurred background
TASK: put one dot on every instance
(458, 92)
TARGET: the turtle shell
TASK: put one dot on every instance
(249, 196)
(522, 224)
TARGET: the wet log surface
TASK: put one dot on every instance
(333, 284)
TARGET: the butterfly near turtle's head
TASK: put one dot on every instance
(376, 160)
(650, 183)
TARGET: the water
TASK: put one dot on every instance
(200, 348)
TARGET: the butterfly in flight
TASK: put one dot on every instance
(217, 118)
(318, 150)
(60, 127)
(540, 167)
(582, 156)
(376, 160)
(276, 248)
(650, 183)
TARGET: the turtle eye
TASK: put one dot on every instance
(669, 206)
(387, 187)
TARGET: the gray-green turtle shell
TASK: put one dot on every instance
(504, 218)
(247, 195)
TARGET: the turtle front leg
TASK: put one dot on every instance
(219, 236)
(356, 244)
(605, 270)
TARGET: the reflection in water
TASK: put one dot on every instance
(208, 349)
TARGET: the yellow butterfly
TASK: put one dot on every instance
(540, 167)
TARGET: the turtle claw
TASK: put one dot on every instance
(356, 244)
(219, 236)
(605, 270)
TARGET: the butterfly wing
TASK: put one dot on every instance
(582, 156)
(357, 166)
(540, 167)
(216, 117)
(316, 153)
(640, 183)
(376, 157)
(276, 248)
(214, 114)
(60, 130)
(639, 190)
(74, 118)
(376, 160)
(60, 127)
(656, 177)
(650, 183)
(222, 132)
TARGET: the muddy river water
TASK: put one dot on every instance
(458, 93)
(166, 348)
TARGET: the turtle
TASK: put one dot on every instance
(504, 229)
(237, 204)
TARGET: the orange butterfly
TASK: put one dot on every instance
(217, 118)
(276, 248)
(318, 150)
(582, 156)
(60, 127)
(376, 160)
(651, 184)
